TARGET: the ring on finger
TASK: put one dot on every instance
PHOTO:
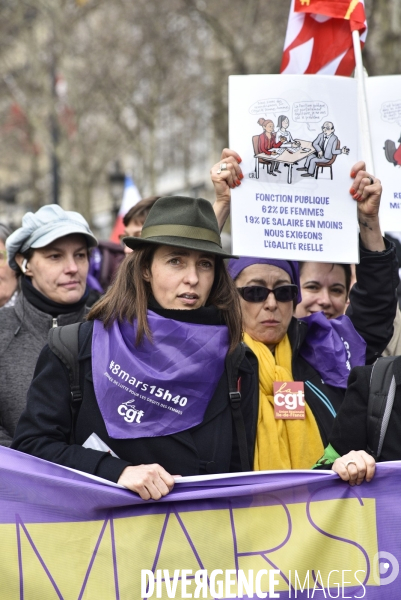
(370, 179)
(223, 167)
(350, 462)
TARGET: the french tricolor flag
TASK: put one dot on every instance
(130, 198)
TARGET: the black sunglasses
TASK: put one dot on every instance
(258, 293)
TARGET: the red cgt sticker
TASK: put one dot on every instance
(289, 400)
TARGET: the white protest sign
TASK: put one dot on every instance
(297, 136)
(384, 103)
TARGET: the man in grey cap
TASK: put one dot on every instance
(51, 254)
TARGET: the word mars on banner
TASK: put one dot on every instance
(294, 534)
(297, 136)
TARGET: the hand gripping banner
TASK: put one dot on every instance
(298, 534)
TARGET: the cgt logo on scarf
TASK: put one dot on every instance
(289, 400)
(130, 413)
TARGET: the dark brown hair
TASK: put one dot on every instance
(140, 211)
(127, 299)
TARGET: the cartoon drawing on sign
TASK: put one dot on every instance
(326, 149)
(391, 112)
(266, 145)
(283, 135)
(392, 153)
(280, 148)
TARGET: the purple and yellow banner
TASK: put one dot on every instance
(282, 535)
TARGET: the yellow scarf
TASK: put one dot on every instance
(281, 444)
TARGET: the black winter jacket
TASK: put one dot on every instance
(373, 299)
(350, 426)
(373, 303)
(45, 426)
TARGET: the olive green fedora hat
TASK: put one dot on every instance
(183, 222)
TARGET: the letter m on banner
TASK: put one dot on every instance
(319, 36)
(91, 574)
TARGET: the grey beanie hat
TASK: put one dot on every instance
(43, 227)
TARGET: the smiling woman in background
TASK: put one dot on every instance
(324, 288)
(50, 252)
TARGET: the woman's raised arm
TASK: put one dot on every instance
(225, 175)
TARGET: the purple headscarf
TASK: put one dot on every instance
(235, 266)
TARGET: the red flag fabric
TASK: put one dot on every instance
(319, 36)
(351, 10)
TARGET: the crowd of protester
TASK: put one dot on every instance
(157, 358)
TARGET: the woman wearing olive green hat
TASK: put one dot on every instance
(157, 365)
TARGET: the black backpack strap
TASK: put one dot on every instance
(380, 403)
(233, 361)
(64, 342)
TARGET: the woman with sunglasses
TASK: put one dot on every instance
(315, 351)
(310, 351)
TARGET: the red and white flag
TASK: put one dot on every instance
(130, 198)
(319, 36)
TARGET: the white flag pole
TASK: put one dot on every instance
(366, 149)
